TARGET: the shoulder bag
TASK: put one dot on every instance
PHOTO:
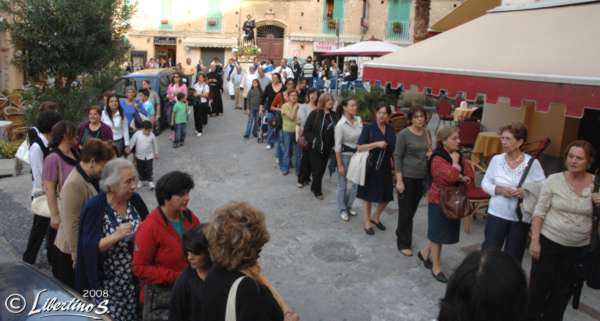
(230, 312)
(357, 168)
(454, 201)
(521, 181)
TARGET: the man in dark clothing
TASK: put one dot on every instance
(296, 69)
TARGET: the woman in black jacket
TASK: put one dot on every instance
(319, 136)
(269, 94)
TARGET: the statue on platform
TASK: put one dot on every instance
(248, 28)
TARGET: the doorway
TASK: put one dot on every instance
(208, 54)
(169, 52)
(589, 129)
(269, 39)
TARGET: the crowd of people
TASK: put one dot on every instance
(163, 264)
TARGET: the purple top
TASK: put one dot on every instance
(51, 169)
(84, 133)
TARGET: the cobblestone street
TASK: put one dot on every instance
(325, 268)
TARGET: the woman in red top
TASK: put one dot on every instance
(447, 168)
(158, 257)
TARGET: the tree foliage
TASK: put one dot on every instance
(67, 38)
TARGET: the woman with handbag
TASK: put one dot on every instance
(108, 225)
(159, 258)
(447, 169)
(39, 138)
(236, 237)
(347, 131)
(561, 230)
(303, 171)
(320, 138)
(378, 138)
(503, 227)
(411, 154)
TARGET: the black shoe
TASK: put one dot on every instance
(246, 136)
(426, 262)
(319, 197)
(440, 277)
(379, 225)
(370, 231)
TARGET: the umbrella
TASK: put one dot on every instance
(365, 49)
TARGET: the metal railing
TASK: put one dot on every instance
(329, 28)
(397, 35)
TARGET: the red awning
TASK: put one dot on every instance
(545, 55)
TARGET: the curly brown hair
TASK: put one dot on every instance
(236, 236)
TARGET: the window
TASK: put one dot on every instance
(214, 16)
(333, 14)
(398, 23)
(165, 13)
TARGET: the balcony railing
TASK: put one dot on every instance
(329, 25)
(397, 35)
(213, 23)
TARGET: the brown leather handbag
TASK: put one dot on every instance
(455, 201)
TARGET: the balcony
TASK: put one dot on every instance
(329, 25)
(213, 23)
(401, 34)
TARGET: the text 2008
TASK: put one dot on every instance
(95, 294)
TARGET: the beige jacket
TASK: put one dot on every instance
(75, 192)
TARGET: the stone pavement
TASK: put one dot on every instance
(325, 268)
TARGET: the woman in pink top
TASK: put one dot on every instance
(176, 86)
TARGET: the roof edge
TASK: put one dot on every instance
(539, 5)
(562, 79)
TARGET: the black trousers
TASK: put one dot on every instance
(144, 168)
(39, 231)
(305, 169)
(318, 165)
(200, 116)
(550, 280)
(508, 234)
(408, 202)
(62, 268)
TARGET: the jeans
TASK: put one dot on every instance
(551, 278)
(180, 133)
(345, 196)
(512, 235)
(251, 126)
(283, 150)
(272, 133)
(408, 202)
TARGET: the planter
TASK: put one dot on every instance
(212, 22)
(164, 21)
(10, 167)
(397, 28)
(331, 24)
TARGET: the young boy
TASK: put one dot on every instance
(147, 105)
(180, 115)
(146, 150)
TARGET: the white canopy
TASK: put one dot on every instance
(365, 49)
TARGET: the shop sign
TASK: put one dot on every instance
(321, 46)
(161, 41)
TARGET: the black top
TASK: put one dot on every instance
(254, 301)
(269, 95)
(187, 297)
(319, 130)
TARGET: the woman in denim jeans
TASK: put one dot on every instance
(347, 131)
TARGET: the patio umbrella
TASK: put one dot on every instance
(365, 49)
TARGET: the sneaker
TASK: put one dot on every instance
(352, 212)
(268, 147)
(151, 185)
(140, 184)
(175, 145)
(198, 134)
(246, 136)
(299, 185)
(344, 216)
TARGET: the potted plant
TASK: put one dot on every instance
(9, 165)
(164, 21)
(212, 22)
(397, 27)
(331, 24)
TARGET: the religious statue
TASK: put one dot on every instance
(248, 28)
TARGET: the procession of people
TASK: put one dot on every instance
(164, 264)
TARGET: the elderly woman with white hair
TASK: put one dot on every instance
(108, 225)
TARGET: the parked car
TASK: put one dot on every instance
(28, 294)
(159, 80)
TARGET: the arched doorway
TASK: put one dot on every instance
(269, 39)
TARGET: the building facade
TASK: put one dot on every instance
(201, 30)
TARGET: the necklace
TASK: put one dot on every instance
(513, 163)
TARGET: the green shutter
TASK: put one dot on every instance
(338, 14)
(398, 11)
(215, 14)
(165, 13)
